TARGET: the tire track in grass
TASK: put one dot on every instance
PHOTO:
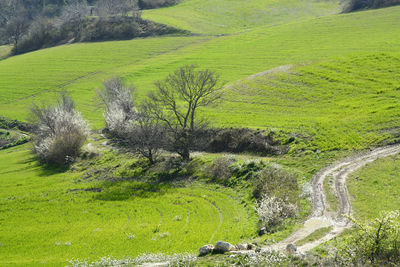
(221, 215)
(221, 219)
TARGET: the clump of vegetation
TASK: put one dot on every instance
(73, 21)
(355, 5)
(167, 118)
(272, 211)
(220, 169)
(238, 140)
(277, 182)
(150, 4)
(6, 123)
(9, 139)
(376, 243)
(60, 131)
(134, 127)
(117, 97)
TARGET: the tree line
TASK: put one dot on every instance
(35, 24)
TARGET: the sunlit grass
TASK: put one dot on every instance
(376, 188)
(232, 16)
(51, 216)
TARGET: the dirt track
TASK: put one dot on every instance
(321, 216)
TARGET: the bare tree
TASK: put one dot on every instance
(16, 28)
(74, 13)
(146, 135)
(138, 129)
(116, 7)
(176, 102)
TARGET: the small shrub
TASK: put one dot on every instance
(272, 211)
(60, 132)
(116, 96)
(220, 170)
(277, 182)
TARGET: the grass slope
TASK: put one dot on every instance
(376, 188)
(49, 217)
(80, 68)
(338, 104)
(232, 16)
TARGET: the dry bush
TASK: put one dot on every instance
(60, 131)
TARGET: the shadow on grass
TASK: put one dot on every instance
(44, 169)
(129, 190)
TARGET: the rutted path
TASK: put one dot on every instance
(321, 216)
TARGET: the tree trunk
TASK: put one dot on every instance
(185, 154)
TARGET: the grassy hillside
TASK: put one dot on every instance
(50, 217)
(349, 103)
(232, 16)
(80, 68)
(376, 188)
(334, 85)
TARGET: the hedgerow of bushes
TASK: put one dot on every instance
(44, 33)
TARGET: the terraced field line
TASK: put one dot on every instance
(320, 216)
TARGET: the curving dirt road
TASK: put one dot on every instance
(321, 215)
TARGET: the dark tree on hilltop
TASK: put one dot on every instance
(177, 100)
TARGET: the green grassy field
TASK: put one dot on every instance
(49, 217)
(232, 16)
(348, 103)
(376, 188)
(80, 68)
(338, 94)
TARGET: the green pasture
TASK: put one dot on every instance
(350, 103)
(49, 216)
(80, 68)
(232, 16)
(376, 188)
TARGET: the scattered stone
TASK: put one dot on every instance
(291, 249)
(204, 250)
(262, 231)
(240, 246)
(232, 256)
(223, 247)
